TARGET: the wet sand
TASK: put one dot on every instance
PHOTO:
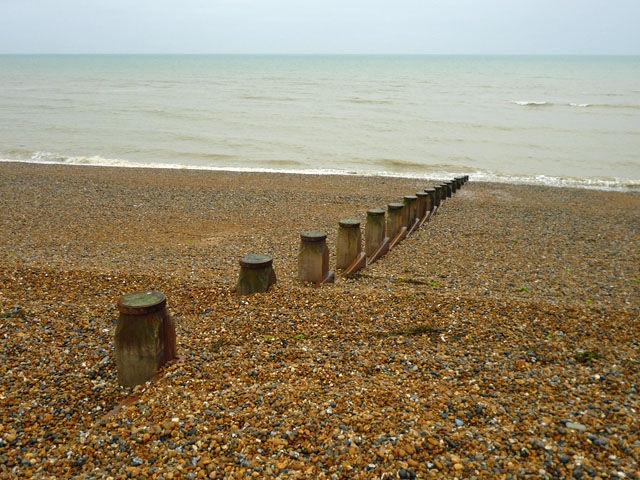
(499, 341)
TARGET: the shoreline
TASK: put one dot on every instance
(188, 212)
(604, 184)
(434, 363)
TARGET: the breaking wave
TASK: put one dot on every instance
(529, 103)
(427, 172)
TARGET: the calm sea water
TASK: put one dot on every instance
(552, 120)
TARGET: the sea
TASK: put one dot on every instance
(570, 121)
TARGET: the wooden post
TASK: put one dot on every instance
(432, 198)
(409, 210)
(448, 187)
(145, 337)
(423, 200)
(454, 185)
(438, 190)
(348, 243)
(256, 274)
(374, 230)
(394, 219)
(443, 191)
(313, 258)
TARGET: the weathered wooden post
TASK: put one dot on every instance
(411, 204)
(454, 186)
(256, 274)
(432, 198)
(438, 191)
(443, 191)
(374, 230)
(449, 188)
(409, 210)
(145, 337)
(394, 219)
(423, 201)
(348, 243)
(396, 228)
(313, 258)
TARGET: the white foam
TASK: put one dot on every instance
(581, 105)
(596, 183)
(530, 103)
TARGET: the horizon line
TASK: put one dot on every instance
(346, 54)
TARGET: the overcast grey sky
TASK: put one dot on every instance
(321, 26)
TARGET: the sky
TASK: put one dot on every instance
(321, 26)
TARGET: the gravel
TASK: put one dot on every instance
(498, 341)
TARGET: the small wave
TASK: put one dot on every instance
(268, 98)
(200, 156)
(531, 103)
(594, 183)
(430, 172)
(368, 100)
(397, 162)
(47, 157)
(287, 163)
(622, 106)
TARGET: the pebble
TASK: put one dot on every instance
(576, 426)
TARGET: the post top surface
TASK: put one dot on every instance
(349, 222)
(422, 194)
(313, 236)
(256, 260)
(395, 206)
(410, 197)
(143, 302)
(375, 211)
(429, 190)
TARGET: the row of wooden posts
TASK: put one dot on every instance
(402, 219)
(145, 337)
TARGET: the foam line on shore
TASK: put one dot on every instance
(594, 183)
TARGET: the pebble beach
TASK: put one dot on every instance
(499, 341)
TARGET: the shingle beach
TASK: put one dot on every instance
(501, 340)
